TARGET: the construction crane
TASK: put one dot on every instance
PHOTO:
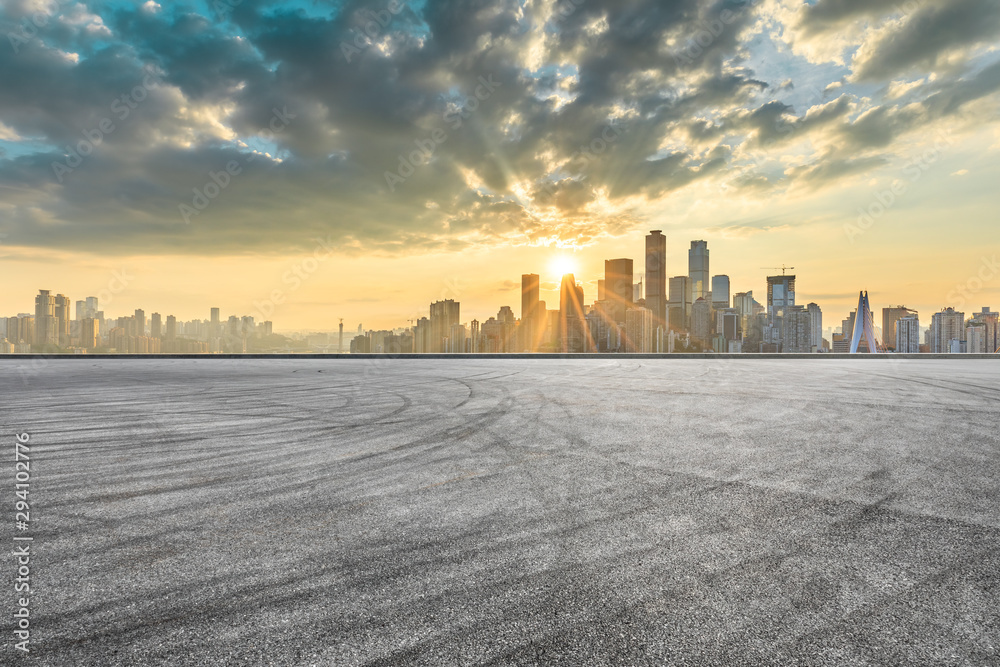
(775, 268)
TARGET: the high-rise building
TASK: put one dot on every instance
(92, 306)
(63, 316)
(701, 319)
(618, 287)
(46, 332)
(890, 316)
(780, 296)
(656, 275)
(215, 324)
(639, 330)
(975, 337)
(443, 315)
(991, 320)
(907, 334)
(946, 326)
(727, 323)
(171, 328)
(815, 327)
(456, 339)
(572, 325)
(81, 310)
(679, 305)
(155, 326)
(421, 336)
(89, 333)
(698, 270)
(140, 322)
(531, 323)
(720, 292)
(797, 330)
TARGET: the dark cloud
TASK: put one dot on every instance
(463, 123)
(927, 36)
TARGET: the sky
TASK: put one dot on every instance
(309, 161)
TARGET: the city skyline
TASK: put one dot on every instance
(857, 141)
(697, 311)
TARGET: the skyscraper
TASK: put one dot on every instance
(63, 316)
(639, 330)
(720, 292)
(171, 328)
(215, 326)
(679, 306)
(140, 322)
(45, 319)
(656, 276)
(155, 326)
(530, 320)
(572, 325)
(780, 296)
(946, 326)
(701, 319)
(698, 270)
(88, 333)
(991, 320)
(797, 330)
(815, 327)
(907, 334)
(443, 315)
(618, 286)
(889, 318)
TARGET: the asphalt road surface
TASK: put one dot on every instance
(507, 512)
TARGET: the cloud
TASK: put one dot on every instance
(592, 118)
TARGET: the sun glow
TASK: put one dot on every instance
(563, 264)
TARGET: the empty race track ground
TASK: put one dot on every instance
(523, 511)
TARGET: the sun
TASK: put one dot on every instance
(562, 264)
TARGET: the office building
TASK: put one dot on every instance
(890, 316)
(618, 287)
(907, 334)
(639, 330)
(572, 325)
(444, 314)
(946, 326)
(797, 331)
(656, 275)
(720, 292)
(701, 320)
(698, 270)
(992, 333)
(46, 332)
(531, 321)
(679, 305)
(89, 333)
(815, 327)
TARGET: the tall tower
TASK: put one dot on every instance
(571, 320)
(720, 292)
(531, 323)
(618, 288)
(679, 306)
(698, 270)
(443, 315)
(656, 276)
(340, 339)
(45, 318)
